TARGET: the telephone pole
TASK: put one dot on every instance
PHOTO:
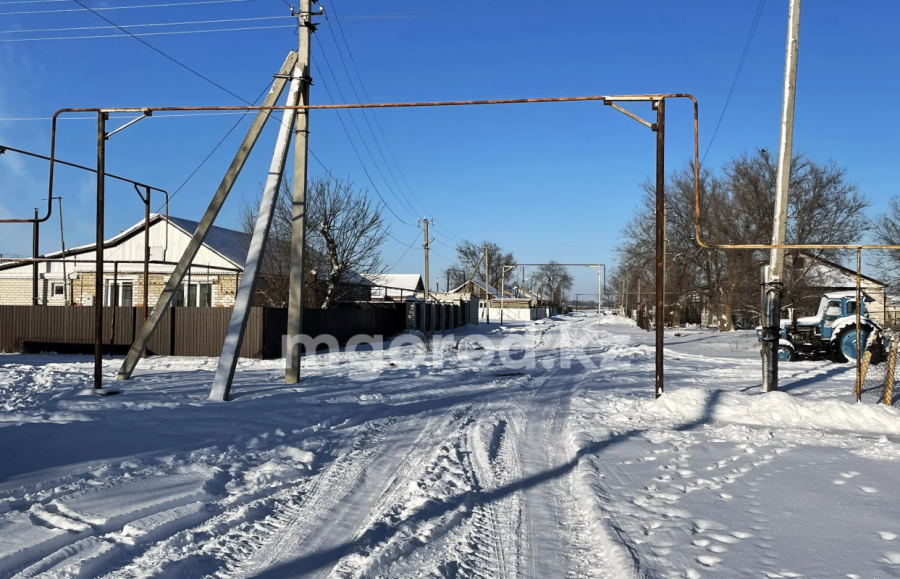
(771, 332)
(297, 277)
(425, 316)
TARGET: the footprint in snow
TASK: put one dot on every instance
(850, 474)
(707, 560)
(868, 489)
(887, 536)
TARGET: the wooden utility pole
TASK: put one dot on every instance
(771, 331)
(298, 223)
(425, 316)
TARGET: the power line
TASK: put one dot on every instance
(375, 116)
(366, 116)
(408, 207)
(36, 30)
(216, 148)
(170, 33)
(358, 156)
(408, 247)
(150, 46)
(83, 7)
(402, 15)
(737, 74)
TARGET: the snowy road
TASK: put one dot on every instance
(550, 459)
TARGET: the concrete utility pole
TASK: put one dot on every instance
(221, 386)
(298, 224)
(206, 222)
(425, 315)
(773, 283)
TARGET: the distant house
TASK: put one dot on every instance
(212, 279)
(394, 286)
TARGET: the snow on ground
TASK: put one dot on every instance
(532, 450)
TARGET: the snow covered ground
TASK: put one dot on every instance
(550, 459)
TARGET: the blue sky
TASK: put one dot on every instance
(553, 181)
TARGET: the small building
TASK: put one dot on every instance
(212, 279)
(394, 286)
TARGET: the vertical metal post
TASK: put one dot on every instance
(98, 266)
(114, 302)
(487, 283)
(147, 255)
(859, 342)
(297, 278)
(62, 243)
(35, 241)
(772, 331)
(660, 237)
(502, 279)
(206, 222)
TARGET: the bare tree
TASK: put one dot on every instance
(887, 232)
(469, 255)
(351, 231)
(823, 209)
(343, 239)
(272, 289)
(555, 280)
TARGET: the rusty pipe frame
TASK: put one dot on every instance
(4, 149)
(658, 101)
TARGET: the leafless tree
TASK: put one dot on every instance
(824, 208)
(343, 239)
(555, 280)
(469, 255)
(351, 231)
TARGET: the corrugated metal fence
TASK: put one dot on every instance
(183, 331)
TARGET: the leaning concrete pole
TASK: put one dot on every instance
(773, 283)
(221, 386)
(184, 263)
(298, 224)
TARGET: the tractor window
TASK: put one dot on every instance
(851, 309)
(832, 312)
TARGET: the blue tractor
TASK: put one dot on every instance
(831, 333)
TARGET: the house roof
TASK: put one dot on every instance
(483, 286)
(228, 243)
(818, 273)
(404, 281)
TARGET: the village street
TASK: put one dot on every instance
(547, 459)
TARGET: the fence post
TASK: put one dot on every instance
(863, 369)
(889, 380)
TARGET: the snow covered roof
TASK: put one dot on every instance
(825, 274)
(404, 281)
(849, 294)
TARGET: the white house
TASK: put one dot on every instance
(212, 279)
(394, 285)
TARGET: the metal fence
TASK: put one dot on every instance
(183, 331)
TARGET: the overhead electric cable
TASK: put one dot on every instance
(737, 74)
(358, 156)
(401, 15)
(402, 255)
(101, 8)
(72, 29)
(366, 113)
(150, 46)
(170, 33)
(408, 206)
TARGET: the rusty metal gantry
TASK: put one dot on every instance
(657, 101)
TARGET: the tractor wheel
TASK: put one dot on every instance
(844, 344)
(786, 353)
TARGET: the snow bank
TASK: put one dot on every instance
(617, 321)
(776, 409)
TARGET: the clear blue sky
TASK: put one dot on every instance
(554, 181)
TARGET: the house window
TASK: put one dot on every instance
(194, 295)
(121, 296)
(59, 290)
